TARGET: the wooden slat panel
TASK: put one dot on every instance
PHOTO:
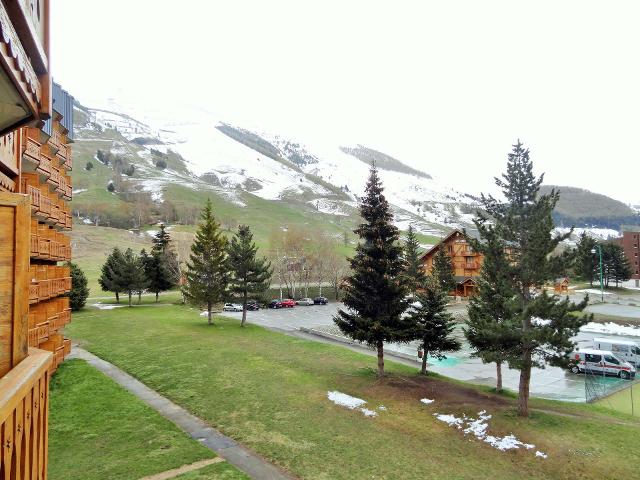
(7, 251)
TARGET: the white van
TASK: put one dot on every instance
(623, 349)
(602, 362)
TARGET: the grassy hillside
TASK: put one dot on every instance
(584, 208)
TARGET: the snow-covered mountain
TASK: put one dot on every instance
(329, 177)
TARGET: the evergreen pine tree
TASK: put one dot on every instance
(112, 264)
(443, 265)
(130, 276)
(524, 224)
(79, 290)
(249, 274)
(207, 275)
(414, 274)
(374, 293)
(584, 261)
(492, 322)
(161, 266)
(432, 325)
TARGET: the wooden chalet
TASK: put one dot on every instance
(36, 124)
(561, 285)
(466, 262)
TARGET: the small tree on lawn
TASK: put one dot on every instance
(444, 267)
(492, 325)
(374, 293)
(432, 325)
(79, 290)
(414, 274)
(207, 275)
(112, 264)
(249, 274)
(524, 224)
(130, 276)
(161, 266)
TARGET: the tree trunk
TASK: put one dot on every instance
(380, 348)
(209, 321)
(525, 380)
(129, 297)
(498, 376)
(423, 371)
(244, 309)
(157, 293)
(139, 297)
(117, 297)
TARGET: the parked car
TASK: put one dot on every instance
(601, 362)
(275, 303)
(320, 301)
(253, 305)
(305, 301)
(288, 303)
(232, 307)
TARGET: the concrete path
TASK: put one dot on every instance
(234, 453)
(184, 469)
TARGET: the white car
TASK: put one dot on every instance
(305, 301)
(232, 307)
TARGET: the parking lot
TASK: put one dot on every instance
(551, 382)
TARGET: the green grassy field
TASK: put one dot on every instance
(625, 401)
(98, 431)
(269, 391)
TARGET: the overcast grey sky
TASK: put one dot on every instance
(445, 86)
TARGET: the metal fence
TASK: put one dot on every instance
(612, 392)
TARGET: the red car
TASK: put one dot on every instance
(288, 303)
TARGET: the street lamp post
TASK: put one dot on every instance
(593, 250)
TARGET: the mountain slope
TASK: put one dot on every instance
(581, 207)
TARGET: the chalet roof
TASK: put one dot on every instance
(464, 279)
(562, 279)
(445, 239)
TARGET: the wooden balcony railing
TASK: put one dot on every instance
(32, 151)
(24, 404)
(49, 281)
(44, 168)
(54, 177)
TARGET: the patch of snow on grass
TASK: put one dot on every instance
(352, 403)
(426, 401)
(106, 306)
(382, 408)
(478, 428)
(79, 190)
(592, 290)
(611, 329)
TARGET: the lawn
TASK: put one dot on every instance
(269, 391)
(625, 401)
(97, 430)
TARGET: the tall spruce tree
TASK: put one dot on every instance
(130, 277)
(443, 265)
(157, 272)
(207, 275)
(79, 290)
(584, 261)
(492, 326)
(524, 224)
(374, 293)
(163, 249)
(432, 325)
(414, 275)
(112, 264)
(249, 274)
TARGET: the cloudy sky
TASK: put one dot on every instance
(446, 87)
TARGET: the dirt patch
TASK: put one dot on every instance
(413, 389)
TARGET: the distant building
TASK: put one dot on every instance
(630, 242)
(466, 262)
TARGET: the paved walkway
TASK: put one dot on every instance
(234, 453)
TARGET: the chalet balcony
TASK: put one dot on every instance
(24, 403)
(45, 165)
(54, 177)
(32, 151)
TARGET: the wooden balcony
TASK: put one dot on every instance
(45, 165)
(24, 404)
(54, 177)
(31, 147)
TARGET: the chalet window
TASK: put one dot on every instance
(469, 262)
(450, 249)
